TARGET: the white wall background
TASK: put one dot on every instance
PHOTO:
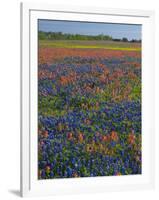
(10, 96)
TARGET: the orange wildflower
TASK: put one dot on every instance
(45, 134)
(60, 127)
(63, 80)
(131, 138)
(114, 136)
(87, 121)
(105, 138)
(75, 175)
(102, 78)
(70, 136)
(80, 137)
(97, 134)
(47, 169)
(118, 174)
(39, 172)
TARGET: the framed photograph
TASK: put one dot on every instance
(87, 99)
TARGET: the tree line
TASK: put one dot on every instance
(67, 36)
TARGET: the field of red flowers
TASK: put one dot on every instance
(49, 55)
(89, 112)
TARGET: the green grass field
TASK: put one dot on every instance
(90, 44)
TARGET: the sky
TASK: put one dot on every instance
(86, 28)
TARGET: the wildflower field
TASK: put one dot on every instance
(89, 109)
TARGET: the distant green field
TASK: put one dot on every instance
(91, 44)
